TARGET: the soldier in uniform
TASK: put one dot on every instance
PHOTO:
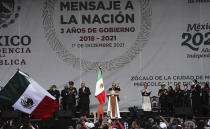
(69, 97)
(162, 93)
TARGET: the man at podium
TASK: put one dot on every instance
(113, 99)
(115, 87)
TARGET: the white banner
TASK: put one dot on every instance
(134, 41)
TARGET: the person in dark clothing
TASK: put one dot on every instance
(64, 93)
(205, 94)
(186, 99)
(179, 95)
(205, 100)
(196, 98)
(69, 97)
(84, 100)
(72, 94)
(170, 100)
(162, 93)
(54, 92)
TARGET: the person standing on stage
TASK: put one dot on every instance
(69, 97)
(54, 92)
(195, 90)
(64, 94)
(72, 95)
(179, 96)
(186, 97)
(84, 100)
(205, 94)
(205, 99)
(146, 103)
(162, 93)
(115, 87)
(170, 100)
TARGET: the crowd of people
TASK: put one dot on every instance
(142, 122)
(18, 123)
(195, 98)
(128, 121)
(73, 100)
(153, 121)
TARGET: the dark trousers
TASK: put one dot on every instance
(196, 109)
(170, 109)
(85, 109)
(69, 107)
(196, 105)
(163, 106)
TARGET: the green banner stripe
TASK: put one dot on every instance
(99, 74)
(14, 88)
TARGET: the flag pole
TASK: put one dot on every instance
(100, 111)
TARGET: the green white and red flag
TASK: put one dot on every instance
(28, 96)
(99, 92)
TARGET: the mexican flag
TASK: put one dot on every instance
(28, 96)
(100, 93)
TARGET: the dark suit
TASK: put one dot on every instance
(84, 100)
(170, 102)
(55, 93)
(69, 98)
(196, 90)
(205, 101)
(179, 98)
(163, 100)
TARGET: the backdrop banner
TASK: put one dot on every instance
(133, 41)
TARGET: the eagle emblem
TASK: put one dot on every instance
(101, 85)
(9, 11)
(27, 102)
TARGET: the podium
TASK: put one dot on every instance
(113, 106)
